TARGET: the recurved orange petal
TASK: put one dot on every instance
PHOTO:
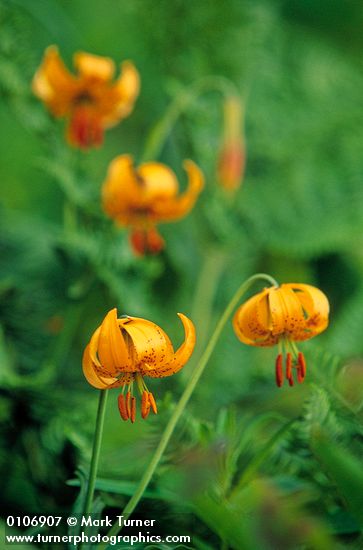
(278, 311)
(160, 182)
(94, 67)
(315, 305)
(178, 207)
(90, 373)
(294, 320)
(122, 95)
(122, 191)
(181, 356)
(101, 382)
(54, 84)
(112, 350)
(252, 321)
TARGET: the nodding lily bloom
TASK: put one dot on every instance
(232, 155)
(283, 315)
(91, 100)
(139, 198)
(123, 351)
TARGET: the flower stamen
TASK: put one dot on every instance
(302, 364)
(145, 405)
(122, 407)
(152, 403)
(279, 373)
(133, 409)
(128, 403)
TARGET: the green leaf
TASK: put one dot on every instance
(343, 468)
(127, 488)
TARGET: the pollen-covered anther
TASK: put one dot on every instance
(128, 403)
(289, 369)
(145, 404)
(279, 371)
(122, 407)
(302, 364)
(152, 403)
(133, 409)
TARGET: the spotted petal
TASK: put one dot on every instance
(152, 346)
(181, 356)
(315, 305)
(97, 381)
(252, 321)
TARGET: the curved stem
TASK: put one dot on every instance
(95, 451)
(179, 409)
(181, 103)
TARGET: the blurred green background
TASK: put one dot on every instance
(257, 467)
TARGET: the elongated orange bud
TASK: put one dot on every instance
(133, 409)
(153, 403)
(145, 405)
(122, 407)
(279, 373)
(232, 156)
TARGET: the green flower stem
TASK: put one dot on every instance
(181, 103)
(95, 451)
(178, 411)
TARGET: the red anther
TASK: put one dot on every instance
(288, 365)
(145, 404)
(85, 128)
(153, 403)
(300, 375)
(278, 370)
(302, 364)
(133, 409)
(138, 241)
(128, 403)
(122, 407)
(155, 242)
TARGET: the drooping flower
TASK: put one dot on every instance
(283, 315)
(123, 351)
(140, 198)
(91, 100)
(232, 154)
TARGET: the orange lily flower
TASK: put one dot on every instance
(140, 198)
(123, 351)
(91, 100)
(232, 155)
(283, 315)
